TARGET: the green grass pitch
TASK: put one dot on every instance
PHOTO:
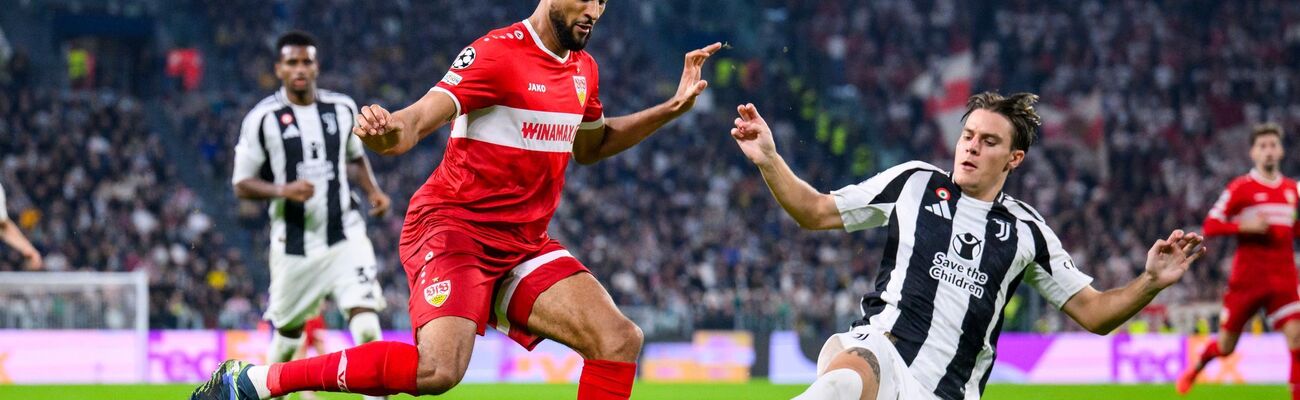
(755, 390)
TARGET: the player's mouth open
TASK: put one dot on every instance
(583, 28)
(967, 165)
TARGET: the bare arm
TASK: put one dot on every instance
(259, 189)
(1102, 312)
(365, 176)
(621, 133)
(810, 208)
(15, 239)
(392, 134)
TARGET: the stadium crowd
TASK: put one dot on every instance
(680, 228)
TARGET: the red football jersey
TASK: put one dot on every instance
(1259, 256)
(519, 108)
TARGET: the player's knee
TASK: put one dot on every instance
(1226, 348)
(865, 363)
(437, 380)
(620, 342)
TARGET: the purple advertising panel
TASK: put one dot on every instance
(1086, 358)
(33, 356)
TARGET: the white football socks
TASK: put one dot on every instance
(364, 327)
(840, 384)
(258, 374)
(282, 348)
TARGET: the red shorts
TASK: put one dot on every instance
(1278, 299)
(451, 274)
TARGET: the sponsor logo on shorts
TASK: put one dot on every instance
(437, 293)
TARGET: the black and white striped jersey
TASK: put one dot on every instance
(950, 264)
(4, 211)
(282, 142)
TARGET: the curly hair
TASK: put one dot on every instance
(1018, 108)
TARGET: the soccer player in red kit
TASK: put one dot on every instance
(1259, 208)
(525, 99)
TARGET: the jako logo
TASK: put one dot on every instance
(537, 87)
(967, 246)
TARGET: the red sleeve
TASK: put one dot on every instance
(1219, 221)
(593, 116)
(1295, 227)
(473, 78)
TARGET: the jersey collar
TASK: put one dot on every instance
(538, 41)
(1259, 177)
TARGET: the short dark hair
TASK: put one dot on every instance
(293, 38)
(1018, 108)
(1267, 128)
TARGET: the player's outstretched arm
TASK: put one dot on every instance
(365, 177)
(392, 134)
(621, 133)
(810, 208)
(15, 239)
(1167, 260)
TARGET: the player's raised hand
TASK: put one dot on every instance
(299, 191)
(753, 135)
(1169, 258)
(374, 120)
(692, 85)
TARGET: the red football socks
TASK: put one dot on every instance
(1295, 374)
(606, 380)
(375, 369)
(1211, 351)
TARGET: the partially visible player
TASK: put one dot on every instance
(15, 238)
(313, 333)
(1259, 209)
(526, 100)
(296, 149)
(956, 251)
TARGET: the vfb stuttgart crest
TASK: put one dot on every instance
(580, 85)
(437, 293)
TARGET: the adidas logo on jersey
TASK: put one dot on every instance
(941, 209)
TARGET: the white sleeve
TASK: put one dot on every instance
(4, 205)
(249, 152)
(1052, 272)
(354, 149)
(868, 204)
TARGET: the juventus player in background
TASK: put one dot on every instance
(296, 149)
(525, 100)
(1259, 208)
(957, 248)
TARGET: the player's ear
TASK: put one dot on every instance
(1017, 157)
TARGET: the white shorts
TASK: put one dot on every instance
(345, 272)
(896, 381)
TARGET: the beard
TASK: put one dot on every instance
(565, 32)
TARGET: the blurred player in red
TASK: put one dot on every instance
(525, 99)
(1259, 208)
(313, 338)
